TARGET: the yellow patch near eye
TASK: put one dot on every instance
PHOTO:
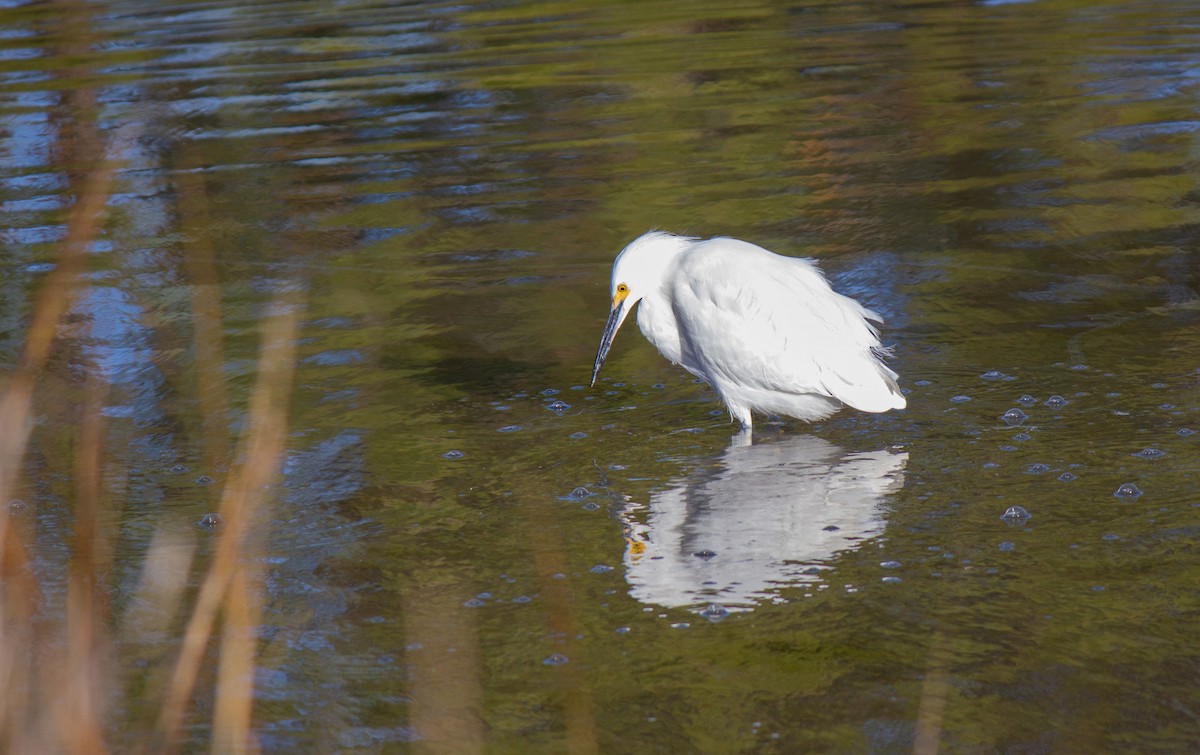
(619, 296)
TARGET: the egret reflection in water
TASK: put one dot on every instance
(762, 520)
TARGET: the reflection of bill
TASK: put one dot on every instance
(767, 516)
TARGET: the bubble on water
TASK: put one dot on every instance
(501, 407)
(960, 399)
(178, 469)
(658, 386)
(558, 406)
(922, 383)
(1166, 407)
(509, 429)
(577, 436)
(580, 492)
(991, 465)
(1056, 401)
(484, 596)
(1008, 448)
(993, 375)
(714, 612)
(1027, 400)
(590, 506)
(1067, 477)
(1111, 536)
(1022, 437)
(891, 579)
(681, 625)
(1128, 492)
(474, 603)
(555, 659)
(550, 392)
(622, 630)
(1015, 515)
(1185, 431)
(1079, 367)
(210, 521)
(522, 599)
(890, 564)
(1014, 417)
(204, 480)
(1098, 588)
(600, 569)
(705, 554)
(1150, 453)
(452, 455)
(1007, 546)
(1158, 385)
(1037, 469)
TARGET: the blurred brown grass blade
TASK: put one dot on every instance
(260, 449)
(19, 590)
(83, 226)
(80, 697)
(82, 149)
(235, 677)
(445, 685)
(199, 261)
(931, 710)
(579, 706)
(18, 603)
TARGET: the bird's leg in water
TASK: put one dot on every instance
(742, 415)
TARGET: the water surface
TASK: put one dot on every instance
(468, 546)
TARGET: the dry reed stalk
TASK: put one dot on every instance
(78, 702)
(446, 692)
(204, 285)
(54, 298)
(19, 590)
(18, 604)
(242, 609)
(931, 710)
(242, 612)
(261, 448)
(549, 558)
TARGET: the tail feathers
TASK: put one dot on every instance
(876, 391)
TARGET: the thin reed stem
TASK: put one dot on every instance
(261, 448)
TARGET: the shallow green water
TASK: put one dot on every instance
(470, 548)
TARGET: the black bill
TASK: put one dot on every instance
(610, 332)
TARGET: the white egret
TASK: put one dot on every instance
(767, 332)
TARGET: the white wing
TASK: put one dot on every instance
(755, 319)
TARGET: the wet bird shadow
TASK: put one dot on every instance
(764, 517)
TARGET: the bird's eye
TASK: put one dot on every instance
(622, 288)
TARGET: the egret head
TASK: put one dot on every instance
(639, 270)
